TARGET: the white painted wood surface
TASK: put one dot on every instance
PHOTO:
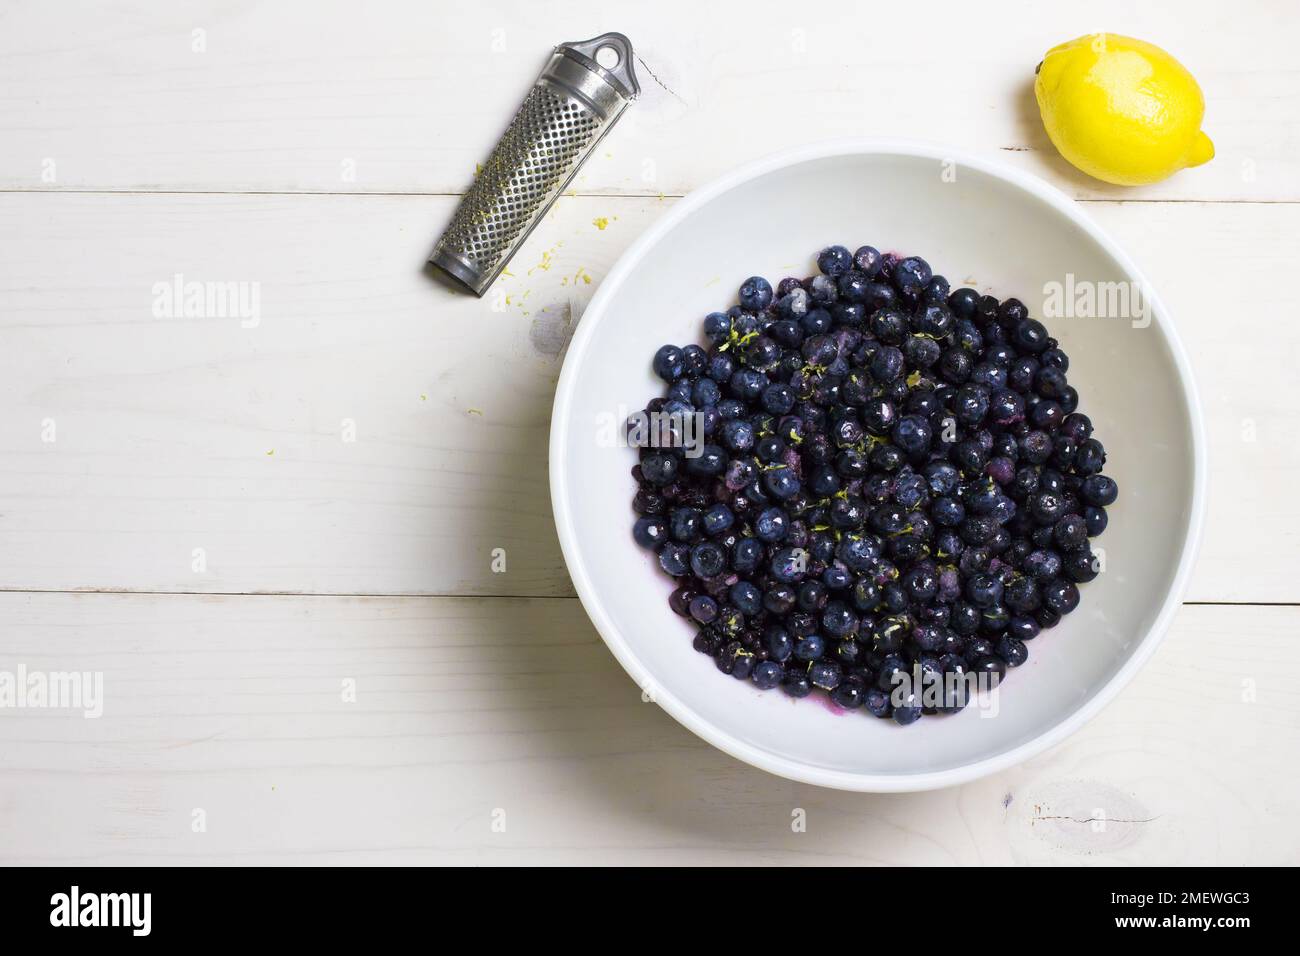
(128, 157)
(281, 96)
(467, 708)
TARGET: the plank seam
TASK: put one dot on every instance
(567, 195)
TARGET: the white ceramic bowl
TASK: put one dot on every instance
(978, 223)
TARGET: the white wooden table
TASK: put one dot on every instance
(275, 539)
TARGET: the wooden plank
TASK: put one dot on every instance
(176, 434)
(466, 708)
(410, 96)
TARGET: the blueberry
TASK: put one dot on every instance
(1012, 650)
(965, 619)
(1099, 490)
(879, 415)
(984, 590)
(867, 261)
(994, 667)
(1081, 565)
(989, 375)
(934, 319)
(890, 326)
(737, 435)
(1021, 595)
(1046, 507)
(823, 481)
(705, 393)
(1077, 426)
(669, 363)
(848, 652)
(857, 551)
(674, 558)
(802, 624)
(708, 560)
(847, 313)
(761, 353)
(936, 290)
(1006, 407)
(911, 273)
(1012, 311)
(789, 565)
(1043, 565)
(707, 641)
(796, 684)
(787, 332)
(704, 609)
(878, 295)
(971, 404)
(1046, 414)
(809, 648)
(1023, 628)
(912, 435)
(823, 290)
(747, 597)
(824, 674)
(1090, 457)
(887, 364)
(942, 478)
(778, 398)
(921, 352)
(650, 532)
(854, 287)
(717, 327)
(780, 481)
(1070, 533)
(793, 305)
(772, 525)
(962, 302)
(659, 468)
(687, 524)
(779, 599)
(710, 461)
(680, 600)
(838, 620)
(1030, 336)
(834, 260)
(850, 693)
(921, 583)
(694, 360)
(812, 596)
(766, 675)
(955, 365)
(743, 665)
(1060, 596)
(778, 643)
(755, 294)
(877, 702)
(721, 368)
(908, 713)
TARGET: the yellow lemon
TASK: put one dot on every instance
(1121, 110)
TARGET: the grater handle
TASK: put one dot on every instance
(618, 73)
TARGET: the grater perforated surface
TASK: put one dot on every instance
(529, 166)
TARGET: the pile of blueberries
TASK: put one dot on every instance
(888, 476)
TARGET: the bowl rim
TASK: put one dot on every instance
(790, 768)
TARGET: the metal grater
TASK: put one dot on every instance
(572, 105)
